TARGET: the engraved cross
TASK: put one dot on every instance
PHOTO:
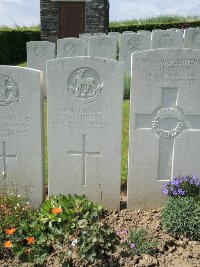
(167, 123)
(4, 156)
(83, 153)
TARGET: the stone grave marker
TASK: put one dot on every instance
(85, 100)
(99, 34)
(192, 38)
(70, 47)
(38, 52)
(115, 35)
(166, 39)
(144, 32)
(21, 131)
(164, 122)
(130, 43)
(101, 46)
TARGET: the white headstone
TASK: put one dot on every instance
(38, 52)
(85, 97)
(84, 35)
(130, 43)
(99, 34)
(192, 38)
(125, 32)
(164, 124)
(70, 47)
(115, 35)
(102, 47)
(144, 32)
(21, 130)
(166, 39)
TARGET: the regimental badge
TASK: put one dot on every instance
(9, 91)
(85, 85)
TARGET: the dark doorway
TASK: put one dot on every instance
(71, 19)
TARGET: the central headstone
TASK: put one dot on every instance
(164, 124)
(85, 97)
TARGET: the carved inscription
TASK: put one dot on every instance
(9, 91)
(70, 48)
(169, 70)
(84, 85)
(83, 119)
(14, 126)
(40, 51)
(166, 114)
(134, 43)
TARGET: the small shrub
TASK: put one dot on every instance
(138, 241)
(182, 186)
(96, 242)
(181, 217)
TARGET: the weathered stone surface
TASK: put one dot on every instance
(192, 38)
(85, 97)
(21, 131)
(164, 122)
(38, 52)
(115, 35)
(102, 47)
(132, 42)
(166, 39)
(70, 47)
(144, 32)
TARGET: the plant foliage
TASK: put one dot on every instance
(181, 217)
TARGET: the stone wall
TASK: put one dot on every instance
(97, 18)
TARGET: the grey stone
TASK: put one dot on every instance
(21, 131)
(70, 47)
(115, 35)
(38, 52)
(164, 123)
(166, 39)
(130, 43)
(85, 97)
(144, 32)
(102, 47)
(192, 38)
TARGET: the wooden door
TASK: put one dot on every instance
(71, 19)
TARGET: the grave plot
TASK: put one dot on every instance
(164, 122)
(85, 98)
(21, 131)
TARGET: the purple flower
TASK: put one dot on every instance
(118, 233)
(133, 246)
(165, 191)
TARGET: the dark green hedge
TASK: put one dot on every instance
(13, 44)
(150, 27)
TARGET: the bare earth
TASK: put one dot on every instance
(172, 252)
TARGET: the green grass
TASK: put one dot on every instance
(159, 19)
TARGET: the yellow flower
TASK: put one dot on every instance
(10, 231)
(8, 244)
(31, 240)
(56, 210)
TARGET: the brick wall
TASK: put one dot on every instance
(97, 18)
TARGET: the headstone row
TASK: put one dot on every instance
(85, 100)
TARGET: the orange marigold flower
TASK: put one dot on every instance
(31, 240)
(56, 210)
(10, 231)
(8, 244)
